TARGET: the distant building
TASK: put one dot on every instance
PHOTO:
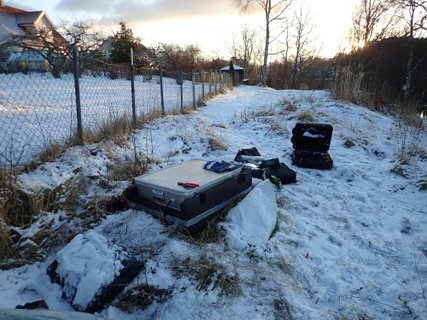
(238, 70)
(18, 30)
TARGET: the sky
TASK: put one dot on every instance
(208, 24)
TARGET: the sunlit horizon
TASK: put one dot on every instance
(212, 33)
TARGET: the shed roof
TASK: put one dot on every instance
(235, 66)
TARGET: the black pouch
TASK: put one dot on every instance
(284, 173)
(246, 152)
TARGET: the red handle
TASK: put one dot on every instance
(189, 185)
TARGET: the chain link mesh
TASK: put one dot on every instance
(38, 110)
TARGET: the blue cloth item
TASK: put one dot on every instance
(221, 166)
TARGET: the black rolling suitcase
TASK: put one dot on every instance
(187, 194)
(311, 142)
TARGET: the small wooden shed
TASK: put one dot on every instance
(238, 71)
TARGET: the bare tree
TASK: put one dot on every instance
(55, 47)
(286, 49)
(372, 21)
(244, 48)
(414, 15)
(49, 44)
(274, 11)
(86, 38)
(303, 44)
(175, 57)
(83, 35)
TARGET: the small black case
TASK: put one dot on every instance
(311, 142)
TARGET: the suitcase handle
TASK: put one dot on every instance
(158, 195)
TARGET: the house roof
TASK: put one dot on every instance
(16, 21)
(11, 10)
(28, 18)
(235, 66)
(8, 23)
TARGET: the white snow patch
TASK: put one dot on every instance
(252, 221)
(86, 264)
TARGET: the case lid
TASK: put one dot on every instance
(191, 171)
(312, 136)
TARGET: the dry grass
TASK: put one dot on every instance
(208, 274)
(117, 128)
(73, 189)
(422, 183)
(127, 170)
(282, 308)
(141, 296)
(348, 84)
(409, 138)
(51, 152)
(7, 248)
(280, 126)
(289, 105)
(306, 116)
(215, 142)
(349, 143)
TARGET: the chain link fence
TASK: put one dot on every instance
(38, 110)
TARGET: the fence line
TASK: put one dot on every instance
(38, 110)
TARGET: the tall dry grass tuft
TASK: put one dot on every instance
(410, 139)
(6, 244)
(348, 84)
(51, 152)
(120, 127)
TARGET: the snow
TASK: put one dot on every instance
(87, 264)
(37, 110)
(45, 315)
(251, 223)
(349, 242)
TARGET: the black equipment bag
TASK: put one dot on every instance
(274, 167)
(266, 168)
(311, 142)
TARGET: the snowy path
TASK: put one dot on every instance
(353, 236)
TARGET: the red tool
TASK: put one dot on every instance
(188, 185)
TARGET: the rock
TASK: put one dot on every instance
(39, 304)
(92, 271)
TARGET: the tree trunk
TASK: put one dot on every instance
(408, 78)
(266, 47)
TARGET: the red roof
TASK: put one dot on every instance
(11, 10)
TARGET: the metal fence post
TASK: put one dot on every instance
(210, 82)
(132, 81)
(77, 92)
(193, 84)
(202, 77)
(181, 82)
(162, 99)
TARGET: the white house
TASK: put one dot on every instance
(18, 29)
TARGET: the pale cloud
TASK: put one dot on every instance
(148, 10)
(94, 6)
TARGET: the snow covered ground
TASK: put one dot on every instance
(37, 110)
(349, 243)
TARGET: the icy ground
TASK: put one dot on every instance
(349, 243)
